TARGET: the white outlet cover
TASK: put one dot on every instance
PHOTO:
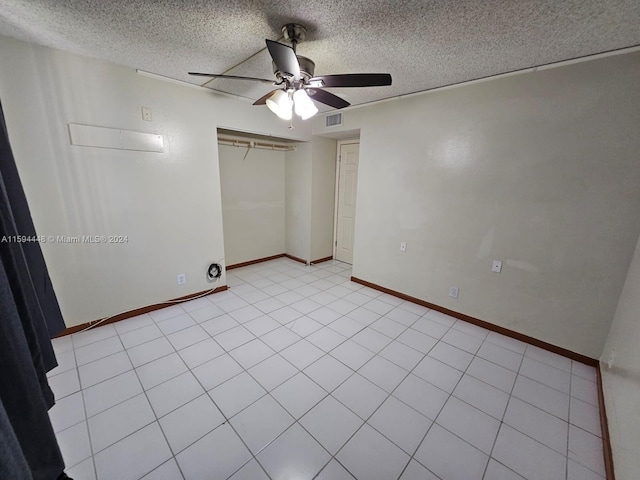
(496, 266)
(182, 279)
(403, 246)
(454, 291)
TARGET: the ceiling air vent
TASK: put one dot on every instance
(333, 120)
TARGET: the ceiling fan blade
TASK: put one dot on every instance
(285, 58)
(351, 80)
(263, 100)
(327, 98)
(233, 77)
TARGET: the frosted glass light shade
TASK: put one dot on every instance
(280, 104)
(304, 106)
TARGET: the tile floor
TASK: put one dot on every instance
(297, 373)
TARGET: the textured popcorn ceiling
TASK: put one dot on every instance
(423, 44)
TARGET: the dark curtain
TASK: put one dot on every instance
(30, 316)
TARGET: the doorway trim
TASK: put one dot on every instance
(337, 189)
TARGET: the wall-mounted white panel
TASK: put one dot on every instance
(103, 137)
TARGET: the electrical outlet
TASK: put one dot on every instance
(146, 114)
(612, 357)
(182, 278)
(403, 246)
(453, 292)
(496, 266)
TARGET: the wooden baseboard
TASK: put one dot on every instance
(138, 311)
(295, 258)
(253, 262)
(320, 260)
(604, 427)
(481, 323)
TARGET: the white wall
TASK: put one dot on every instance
(621, 383)
(253, 211)
(167, 204)
(323, 184)
(298, 201)
(539, 170)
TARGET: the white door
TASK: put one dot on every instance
(346, 215)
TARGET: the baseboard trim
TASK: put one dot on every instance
(489, 326)
(295, 258)
(320, 260)
(253, 262)
(604, 427)
(138, 311)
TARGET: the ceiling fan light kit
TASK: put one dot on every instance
(299, 89)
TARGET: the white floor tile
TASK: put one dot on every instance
(233, 338)
(175, 324)
(462, 340)
(583, 371)
(261, 423)
(550, 376)
(326, 339)
(371, 339)
(417, 340)
(195, 304)
(493, 374)
(65, 383)
(150, 351)
(383, 373)
(527, 457)
(62, 344)
(280, 338)
(304, 326)
(236, 394)
(471, 329)
(334, 471)
(549, 358)
(251, 353)
(167, 471)
(360, 395)
(102, 396)
(93, 335)
(161, 370)
(430, 327)
(585, 416)
(97, 350)
(250, 471)
(543, 397)
(402, 355)
(401, 315)
(352, 354)
(324, 315)
(500, 355)
(206, 313)
(441, 318)
(328, 372)
(294, 454)
(272, 372)
(449, 456)
(110, 426)
(388, 327)
(166, 313)
(216, 371)
(422, 396)
(378, 306)
(84, 470)
(74, 444)
(103, 369)
(435, 372)
(452, 356)
(370, 455)
(401, 424)
(298, 395)
(584, 390)
(331, 424)
(219, 324)
(586, 449)
(363, 316)
(302, 353)
(201, 352)
(67, 412)
(246, 313)
(261, 325)
(507, 342)
(174, 393)
(575, 471)
(346, 326)
(66, 361)
(415, 471)
(482, 396)
(537, 424)
(141, 335)
(269, 305)
(497, 471)
(306, 306)
(214, 457)
(469, 423)
(134, 456)
(134, 323)
(191, 422)
(187, 337)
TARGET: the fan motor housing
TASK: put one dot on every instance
(307, 67)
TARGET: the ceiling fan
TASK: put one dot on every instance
(296, 81)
